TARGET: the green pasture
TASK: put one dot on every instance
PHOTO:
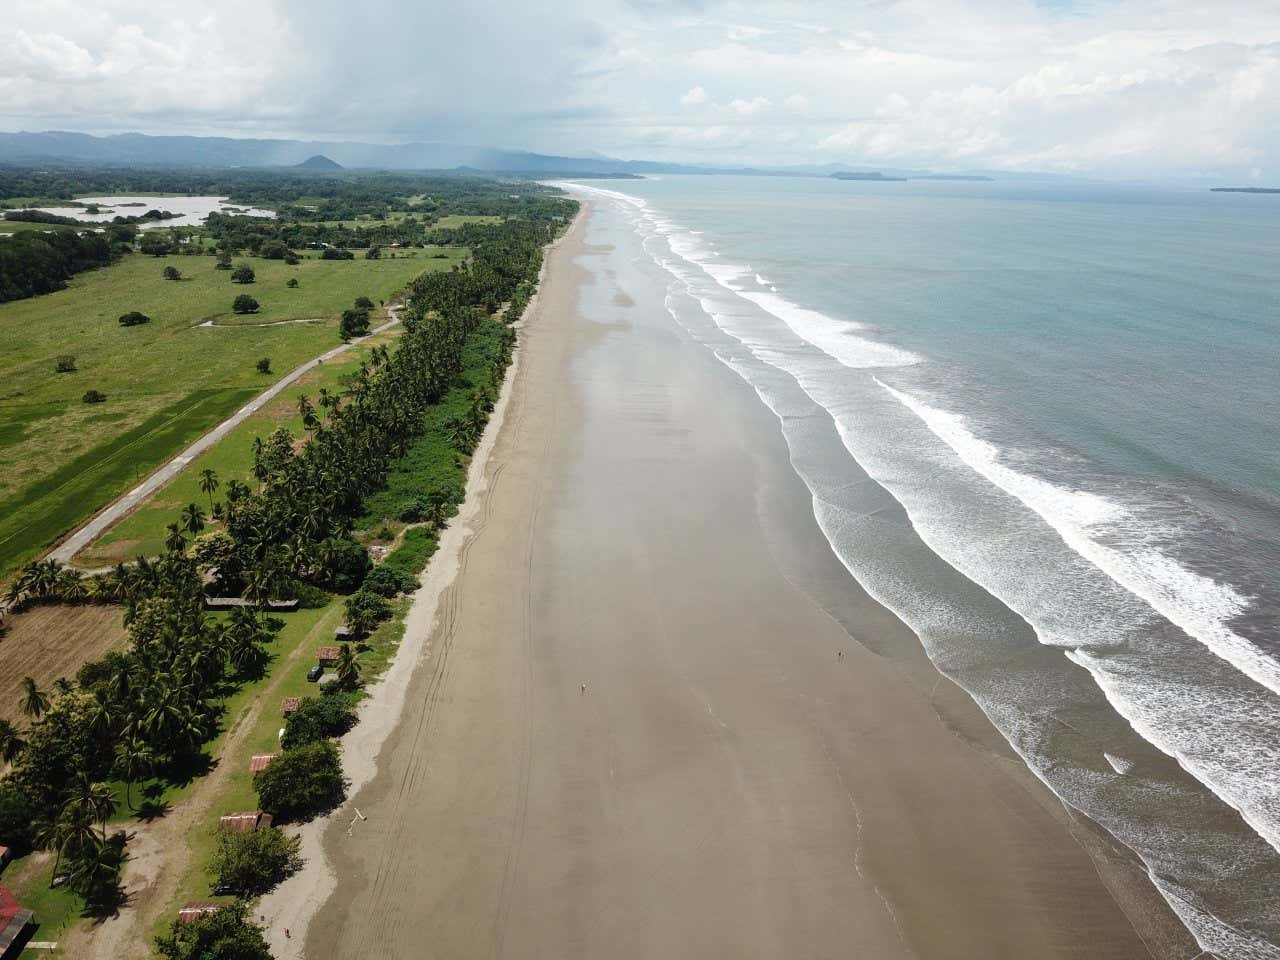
(166, 382)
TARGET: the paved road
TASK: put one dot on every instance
(116, 511)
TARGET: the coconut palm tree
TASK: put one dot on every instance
(11, 742)
(175, 542)
(134, 760)
(209, 483)
(55, 835)
(348, 668)
(192, 518)
(94, 800)
(35, 702)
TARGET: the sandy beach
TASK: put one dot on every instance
(642, 711)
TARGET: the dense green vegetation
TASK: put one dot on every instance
(148, 711)
(33, 263)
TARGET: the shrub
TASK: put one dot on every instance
(373, 253)
(386, 582)
(133, 318)
(226, 934)
(363, 303)
(18, 814)
(317, 719)
(93, 396)
(301, 783)
(224, 261)
(355, 323)
(250, 864)
(291, 282)
(65, 364)
(264, 365)
(335, 253)
(292, 260)
(242, 274)
(155, 243)
(172, 273)
(274, 250)
(244, 304)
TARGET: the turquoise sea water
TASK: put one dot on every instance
(1073, 393)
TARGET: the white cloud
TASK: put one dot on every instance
(696, 97)
(1141, 87)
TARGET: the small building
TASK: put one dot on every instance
(342, 632)
(244, 822)
(327, 656)
(197, 909)
(230, 603)
(260, 762)
(290, 704)
(328, 678)
(13, 921)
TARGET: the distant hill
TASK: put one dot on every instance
(319, 162)
(1245, 189)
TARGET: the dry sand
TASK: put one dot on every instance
(739, 777)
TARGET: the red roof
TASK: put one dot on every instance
(260, 762)
(327, 653)
(191, 911)
(9, 906)
(290, 704)
(244, 822)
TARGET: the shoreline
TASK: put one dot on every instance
(293, 904)
(754, 781)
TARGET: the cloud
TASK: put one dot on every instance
(696, 97)
(1146, 87)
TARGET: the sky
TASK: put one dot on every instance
(1126, 88)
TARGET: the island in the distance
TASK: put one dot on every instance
(1245, 189)
(877, 176)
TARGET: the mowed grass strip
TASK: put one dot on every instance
(165, 382)
(143, 531)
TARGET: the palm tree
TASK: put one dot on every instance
(175, 542)
(54, 835)
(93, 800)
(348, 668)
(209, 483)
(11, 742)
(134, 760)
(34, 701)
(192, 518)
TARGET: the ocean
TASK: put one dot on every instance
(1041, 423)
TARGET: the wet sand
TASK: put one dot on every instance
(739, 776)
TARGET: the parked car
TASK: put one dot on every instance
(314, 673)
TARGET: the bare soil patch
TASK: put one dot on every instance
(51, 642)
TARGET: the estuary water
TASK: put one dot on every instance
(1073, 391)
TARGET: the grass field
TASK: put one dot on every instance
(21, 226)
(166, 381)
(232, 458)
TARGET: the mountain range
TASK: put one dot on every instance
(137, 149)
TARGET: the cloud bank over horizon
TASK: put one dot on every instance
(1121, 88)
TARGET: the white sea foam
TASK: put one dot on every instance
(763, 282)
(1200, 606)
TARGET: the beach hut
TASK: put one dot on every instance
(13, 920)
(260, 762)
(244, 822)
(290, 704)
(342, 632)
(327, 656)
(197, 909)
